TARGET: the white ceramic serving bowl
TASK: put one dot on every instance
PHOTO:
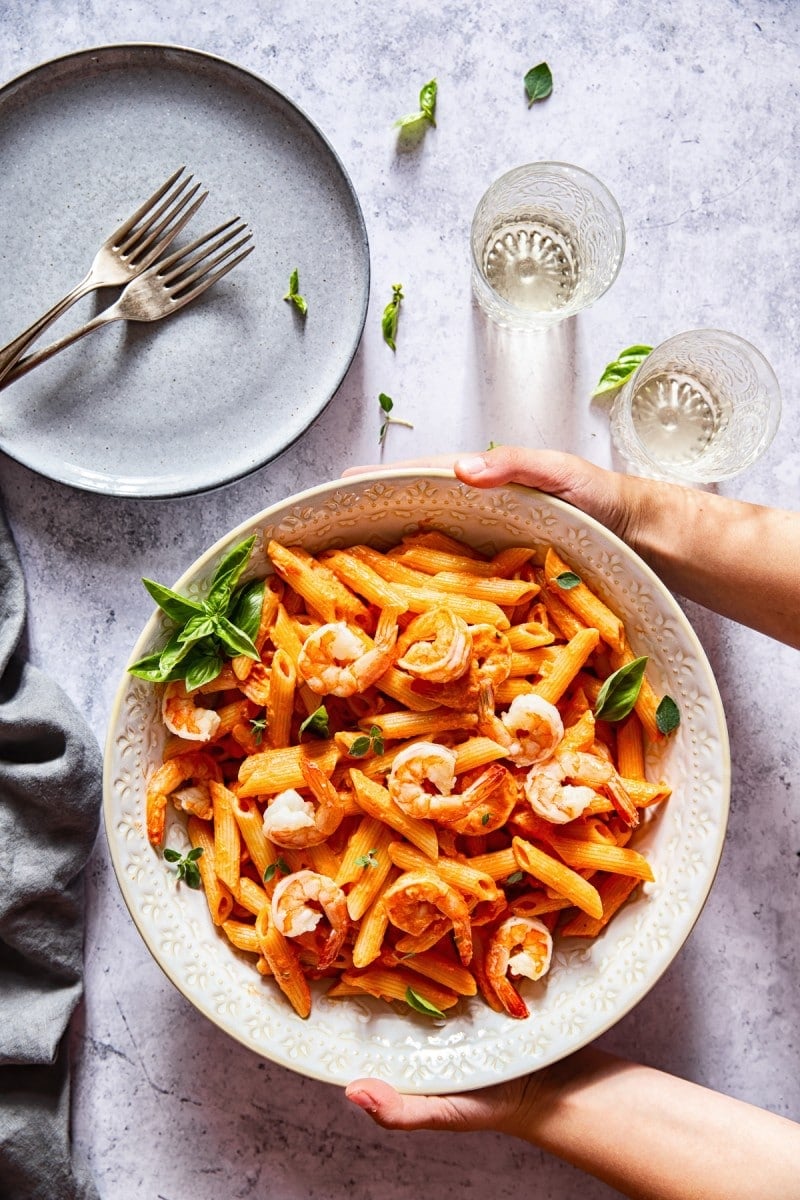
(592, 984)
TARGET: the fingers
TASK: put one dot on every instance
(435, 460)
(485, 1109)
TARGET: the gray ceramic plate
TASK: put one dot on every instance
(203, 397)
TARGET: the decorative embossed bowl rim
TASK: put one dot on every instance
(592, 984)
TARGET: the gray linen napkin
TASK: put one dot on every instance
(49, 800)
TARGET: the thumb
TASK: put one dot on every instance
(389, 1108)
(602, 494)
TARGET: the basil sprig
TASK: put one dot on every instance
(293, 295)
(538, 83)
(186, 867)
(317, 723)
(427, 107)
(391, 315)
(617, 372)
(421, 1005)
(620, 691)
(209, 631)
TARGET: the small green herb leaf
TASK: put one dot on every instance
(387, 404)
(517, 877)
(317, 723)
(538, 83)
(620, 691)
(391, 315)
(370, 859)
(668, 715)
(278, 865)
(421, 1005)
(485, 818)
(246, 607)
(621, 369)
(567, 580)
(362, 745)
(293, 294)
(259, 727)
(427, 107)
(186, 865)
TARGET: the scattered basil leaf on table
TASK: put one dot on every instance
(568, 580)
(278, 865)
(209, 630)
(186, 865)
(427, 107)
(668, 715)
(317, 723)
(620, 370)
(538, 83)
(370, 859)
(620, 691)
(293, 295)
(362, 745)
(391, 315)
(421, 1005)
(387, 404)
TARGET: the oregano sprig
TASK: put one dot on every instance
(293, 295)
(366, 742)
(186, 867)
(387, 404)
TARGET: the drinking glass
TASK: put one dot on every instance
(701, 407)
(547, 240)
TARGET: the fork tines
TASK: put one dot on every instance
(142, 250)
(176, 271)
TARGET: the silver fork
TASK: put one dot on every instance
(159, 291)
(129, 250)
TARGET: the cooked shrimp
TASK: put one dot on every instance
(437, 645)
(197, 768)
(600, 774)
(183, 717)
(292, 821)
(340, 659)
(493, 810)
(523, 946)
(551, 797)
(418, 898)
(530, 729)
(422, 779)
(491, 650)
(301, 900)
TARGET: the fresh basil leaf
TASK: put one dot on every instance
(538, 83)
(227, 574)
(421, 1005)
(668, 715)
(427, 101)
(174, 605)
(246, 607)
(317, 723)
(195, 629)
(202, 665)
(192, 875)
(150, 668)
(235, 640)
(619, 693)
(175, 651)
(621, 369)
(171, 855)
(386, 402)
(360, 747)
(567, 580)
(391, 315)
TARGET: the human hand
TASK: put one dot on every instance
(507, 1107)
(613, 499)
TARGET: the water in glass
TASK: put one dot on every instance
(531, 262)
(676, 417)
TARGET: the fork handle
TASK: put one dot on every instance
(11, 353)
(40, 356)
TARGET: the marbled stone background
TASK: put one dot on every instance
(689, 114)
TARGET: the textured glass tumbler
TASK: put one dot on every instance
(701, 407)
(547, 240)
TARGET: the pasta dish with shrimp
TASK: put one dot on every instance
(423, 767)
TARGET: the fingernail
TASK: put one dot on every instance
(473, 464)
(362, 1100)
